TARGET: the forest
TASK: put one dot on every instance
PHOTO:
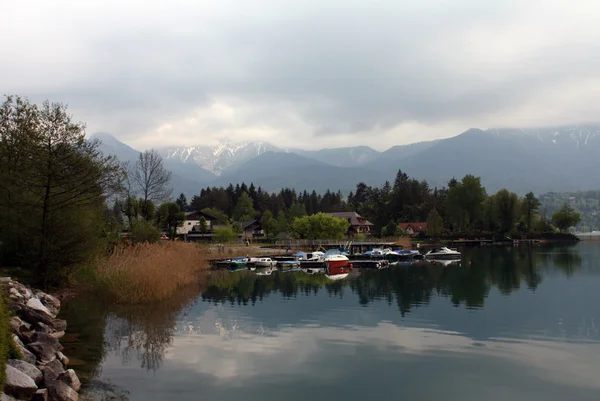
(461, 208)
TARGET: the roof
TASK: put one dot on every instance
(196, 216)
(416, 227)
(250, 224)
(354, 218)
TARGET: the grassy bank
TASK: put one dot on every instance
(144, 272)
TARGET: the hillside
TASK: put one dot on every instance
(587, 203)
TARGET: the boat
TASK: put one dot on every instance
(443, 253)
(336, 264)
(285, 266)
(264, 271)
(263, 262)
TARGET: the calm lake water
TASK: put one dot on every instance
(509, 324)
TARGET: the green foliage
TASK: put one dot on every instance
(506, 210)
(145, 231)
(54, 184)
(267, 222)
(565, 217)
(320, 226)
(530, 208)
(435, 223)
(465, 203)
(203, 224)
(282, 225)
(244, 209)
(225, 234)
(170, 217)
(182, 202)
(391, 230)
(587, 203)
(297, 210)
(221, 218)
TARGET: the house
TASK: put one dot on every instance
(414, 228)
(251, 229)
(358, 224)
(192, 219)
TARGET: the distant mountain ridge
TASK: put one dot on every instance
(539, 160)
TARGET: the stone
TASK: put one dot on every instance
(15, 308)
(52, 370)
(34, 316)
(57, 334)
(51, 303)
(41, 337)
(40, 395)
(62, 358)
(61, 391)
(36, 304)
(14, 291)
(27, 355)
(70, 378)
(5, 280)
(27, 368)
(18, 384)
(45, 352)
(5, 397)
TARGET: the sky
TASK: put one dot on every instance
(304, 73)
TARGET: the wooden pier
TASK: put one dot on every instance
(352, 246)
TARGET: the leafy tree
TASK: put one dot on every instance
(267, 222)
(530, 208)
(565, 217)
(170, 216)
(296, 210)
(182, 202)
(391, 230)
(465, 201)
(506, 209)
(244, 209)
(282, 225)
(151, 180)
(145, 231)
(435, 223)
(53, 188)
(203, 224)
(320, 226)
(225, 234)
(221, 218)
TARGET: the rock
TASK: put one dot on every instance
(62, 358)
(52, 370)
(16, 323)
(61, 391)
(14, 291)
(57, 334)
(34, 316)
(27, 368)
(70, 378)
(36, 304)
(41, 337)
(27, 355)
(40, 395)
(51, 303)
(5, 397)
(45, 352)
(14, 307)
(16, 297)
(18, 384)
(4, 280)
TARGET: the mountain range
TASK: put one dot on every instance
(539, 160)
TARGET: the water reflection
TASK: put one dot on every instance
(218, 337)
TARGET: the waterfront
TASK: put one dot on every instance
(510, 323)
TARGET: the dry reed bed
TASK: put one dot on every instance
(148, 272)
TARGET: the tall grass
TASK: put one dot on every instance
(146, 272)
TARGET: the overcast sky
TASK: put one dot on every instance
(305, 73)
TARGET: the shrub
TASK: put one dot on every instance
(225, 234)
(144, 231)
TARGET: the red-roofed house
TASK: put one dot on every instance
(414, 228)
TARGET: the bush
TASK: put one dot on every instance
(225, 234)
(144, 231)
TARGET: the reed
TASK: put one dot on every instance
(146, 272)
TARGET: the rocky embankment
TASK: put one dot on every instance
(42, 373)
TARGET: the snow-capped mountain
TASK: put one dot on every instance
(579, 136)
(218, 157)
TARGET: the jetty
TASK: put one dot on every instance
(352, 246)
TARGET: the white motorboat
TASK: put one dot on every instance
(443, 253)
(264, 262)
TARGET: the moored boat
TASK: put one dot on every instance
(443, 253)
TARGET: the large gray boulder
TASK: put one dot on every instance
(6, 397)
(18, 384)
(97, 390)
(27, 355)
(52, 370)
(36, 304)
(69, 377)
(27, 368)
(51, 303)
(45, 352)
(42, 337)
(61, 391)
(33, 316)
(40, 395)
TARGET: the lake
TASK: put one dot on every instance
(508, 324)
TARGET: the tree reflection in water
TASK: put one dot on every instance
(144, 332)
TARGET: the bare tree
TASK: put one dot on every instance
(151, 179)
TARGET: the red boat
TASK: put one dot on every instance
(337, 265)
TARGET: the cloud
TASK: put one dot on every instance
(305, 73)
